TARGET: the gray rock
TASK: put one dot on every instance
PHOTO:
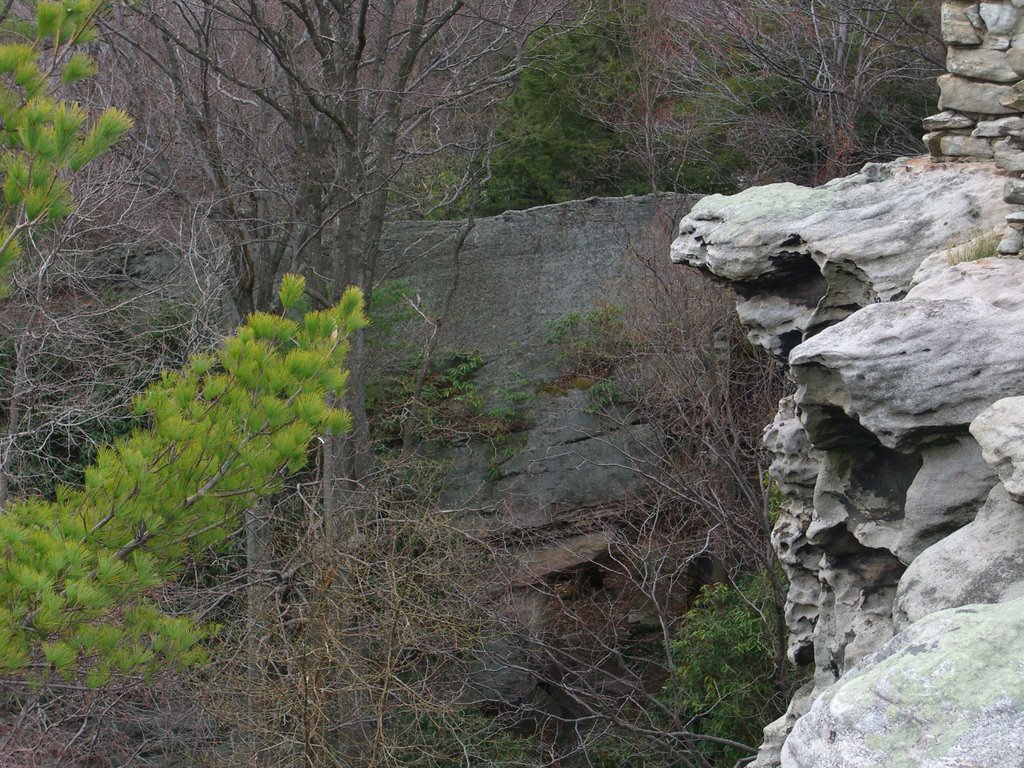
(944, 693)
(958, 28)
(856, 596)
(1015, 58)
(983, 562)
(999, 18)
(947, 121)
(861, 491)
(1008, 156)
(775, 733)
(993, 129)
(965, 95)
(1013, 192)
(999, 430)
(997, 42)
(1011, 243)
(795, 470)
(980, 64)
(908, 371)
(999, 282)
(571, 459)
(952, 145)
(1013, 98)
(806, 258)
(932, 265)
(931, 143)
(535, 266)
(1011, 126)
(944, 496)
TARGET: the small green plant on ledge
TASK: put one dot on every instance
(972, 248)
(589, 344)
(452, 407)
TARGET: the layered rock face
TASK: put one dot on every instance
(899, 452)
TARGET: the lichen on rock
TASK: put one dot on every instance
(945, 692)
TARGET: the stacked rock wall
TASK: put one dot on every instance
(982, 97)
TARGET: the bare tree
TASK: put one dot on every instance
(302, 116)
(855, 67)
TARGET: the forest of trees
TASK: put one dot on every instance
(214, 547)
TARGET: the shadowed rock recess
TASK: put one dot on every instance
(900, 450)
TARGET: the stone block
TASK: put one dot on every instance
(1014, 98)
(948, 121)
(952, 145)
(964, 95)
(958, 26)
(932, 142)
(997, 42)
(1015, 56)
(1009, 157)
(980, 64)
(1011, 126)
(993, 129)
(1013, 192)
(1000, 19)
(1011, 243)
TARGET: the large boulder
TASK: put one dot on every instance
(909, 370)
(804, 258)
(945, 495)
(944, 693)
(983, 562)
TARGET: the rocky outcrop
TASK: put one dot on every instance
(803, 259)
(957, 672)
(899, 452)
(516, 275)
(518, 272)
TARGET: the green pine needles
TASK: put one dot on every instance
(44, 140)
(75, 572)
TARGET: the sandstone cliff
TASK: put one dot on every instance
(897, 298)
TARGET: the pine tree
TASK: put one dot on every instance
(75, 572)
(46, 140)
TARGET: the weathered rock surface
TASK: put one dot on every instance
(909, 370)
(945, 692)
(895, 353)
(1000, 432)
(803, 259)
(983, 562)
(568, 461)
(522, 270)
(963, 95)
(795, 469)
(945, 495)
(981, 64)
(961, 23)
(534, 491)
